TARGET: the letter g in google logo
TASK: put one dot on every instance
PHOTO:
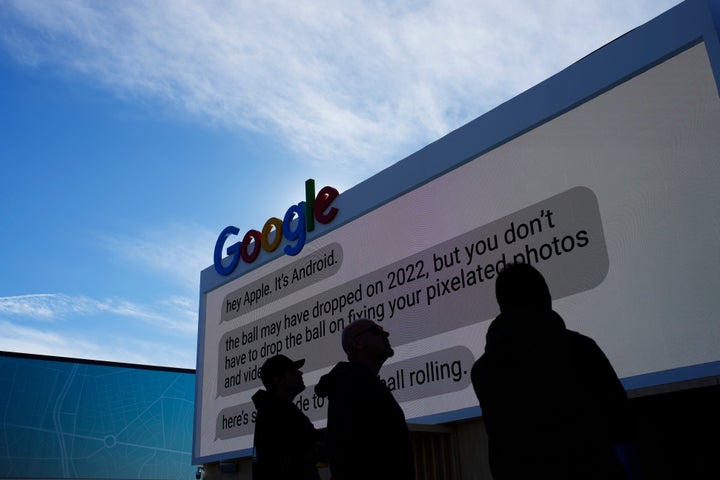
(313, 208)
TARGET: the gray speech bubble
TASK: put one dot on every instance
(235, 421)
(429, 375)
(239, 420)
(443, 288)
(316, 266)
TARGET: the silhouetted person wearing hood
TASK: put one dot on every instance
(368, 437)
(285, 439)
(552, 403)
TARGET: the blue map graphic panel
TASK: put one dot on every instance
(64, 418)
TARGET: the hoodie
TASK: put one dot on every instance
(551, 401)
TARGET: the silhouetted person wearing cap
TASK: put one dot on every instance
(368, 437)
(285, 439)
(552, 403)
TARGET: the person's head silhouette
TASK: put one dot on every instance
(521, 286)
(366, 342)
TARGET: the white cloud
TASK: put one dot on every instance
(174, 314)
(158, 332)
(178, 252)
(358, 83)
(79, 327)
(17, 338)
(41, 341)
(37, 306)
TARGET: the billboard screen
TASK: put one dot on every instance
(614, 200)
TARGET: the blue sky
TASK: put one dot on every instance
(132, 133)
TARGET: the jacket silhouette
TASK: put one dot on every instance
(285, 439)
(367, 434)
(552, 403)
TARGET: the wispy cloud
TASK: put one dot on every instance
(41, 341)
(38, 306)
(359, 83)
(174, 314)
(177, 252)
(163, 333)
(18, 338)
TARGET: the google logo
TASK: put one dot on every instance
(299, 219)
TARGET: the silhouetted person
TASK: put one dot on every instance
(552, 403)
(285, 439)
(368, 438)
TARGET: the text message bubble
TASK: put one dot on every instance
(312, 268)
(429, 375)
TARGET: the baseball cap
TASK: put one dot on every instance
(278, 365)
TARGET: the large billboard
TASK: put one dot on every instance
(604, 177)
